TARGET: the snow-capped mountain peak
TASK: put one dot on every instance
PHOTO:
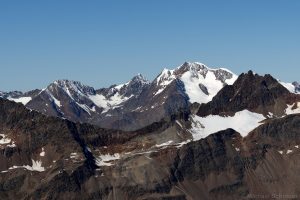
(165, 77)
(201, 83)
(73, 87)
(132, 88)
(133, 104)
(195, 67)
(140, 78)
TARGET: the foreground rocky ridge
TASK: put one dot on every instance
(223, 165)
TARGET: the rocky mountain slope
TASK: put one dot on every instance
(248, 103)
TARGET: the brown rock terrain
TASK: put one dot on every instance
(222, 166)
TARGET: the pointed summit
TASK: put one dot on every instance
(71, 87)
(134, 87)
(140, 78)
(201, 83)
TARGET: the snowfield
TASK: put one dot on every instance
(242, 122)
(23, 100)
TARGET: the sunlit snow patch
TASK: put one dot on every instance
(290, 109)
(23, 100)
(73, 155)
(36, 166)
(164, 144)
(113, 102)
(288, 86)
(42, 153)
(289, 151)
(106, 159)
(243, 122)
(4, 139)
(52, 98)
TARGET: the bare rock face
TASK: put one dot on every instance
(203, 88)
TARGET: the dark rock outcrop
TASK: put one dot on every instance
(260, 94)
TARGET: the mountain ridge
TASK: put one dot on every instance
(78, 102)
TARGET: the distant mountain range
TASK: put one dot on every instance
(134, 104)
(192, 133)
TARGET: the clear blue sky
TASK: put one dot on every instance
(105, 42)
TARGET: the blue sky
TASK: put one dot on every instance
(106, 42)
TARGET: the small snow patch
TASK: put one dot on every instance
(290, 109)
(289, 151)
(12, 145)
(43, 152)
(4, 139)
(23, 100)
(164, 144)
(36, 166)
(106, 159)
(270, 115)
(179, 145)
(73, 155)
(88, 149)
(177, 122)
(159, 91)
(57, 102)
